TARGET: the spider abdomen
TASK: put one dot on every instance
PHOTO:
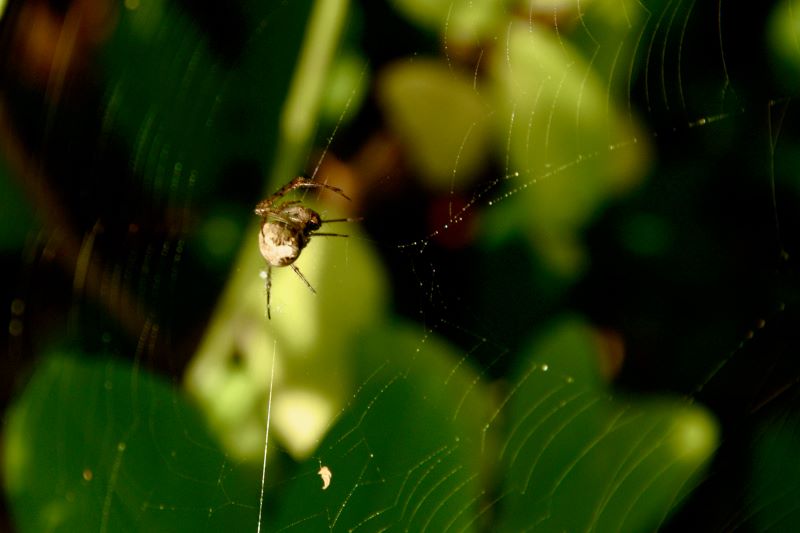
(287, 227)
(280, 244)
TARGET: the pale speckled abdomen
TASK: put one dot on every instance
(279, 245)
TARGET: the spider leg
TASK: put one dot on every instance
(264, 209)
(329, 235)
(297, 271)
(268, 282)
(352, 219)
(302, 181)
(265, 206)
(274, 215)
(337, 190)
(292, 185)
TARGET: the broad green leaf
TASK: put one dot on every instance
(784, 40)
(347, 86)
(189, 101)
(776, 476)
(579, 458)
(99, 445)
(568, 148)
(16, 215)
(461, 22)
(406, 452)
(440, 118)
(311, 335)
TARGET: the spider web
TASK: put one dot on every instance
(570, 304)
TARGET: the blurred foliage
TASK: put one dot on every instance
(556, 124)
(312, 336)
(347, 86)
(525, 109)
(461, 22)
(96, 444)
(406, 451)
(440, 119)
(629, 459)
(563, 135)
(776, 475)
(16, 218)
(785, 46)
(416, 447)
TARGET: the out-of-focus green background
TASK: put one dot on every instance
(566, 300)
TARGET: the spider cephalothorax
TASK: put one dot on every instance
(288, 227)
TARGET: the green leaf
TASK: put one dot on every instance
(568, 149)
(100, 445)
(346, 88)
(312, 336)
(16, 216)
(461, 22)
(186, 110)
(776, 476)
(578, 458)
(441, 120)
(406, 453)
(783, 30)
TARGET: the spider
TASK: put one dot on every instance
(287, 228)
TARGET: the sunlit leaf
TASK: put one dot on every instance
(784, 28)
(347, 86)
(568, 148)
(440, 118)
(311, 335)
(462, 22)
